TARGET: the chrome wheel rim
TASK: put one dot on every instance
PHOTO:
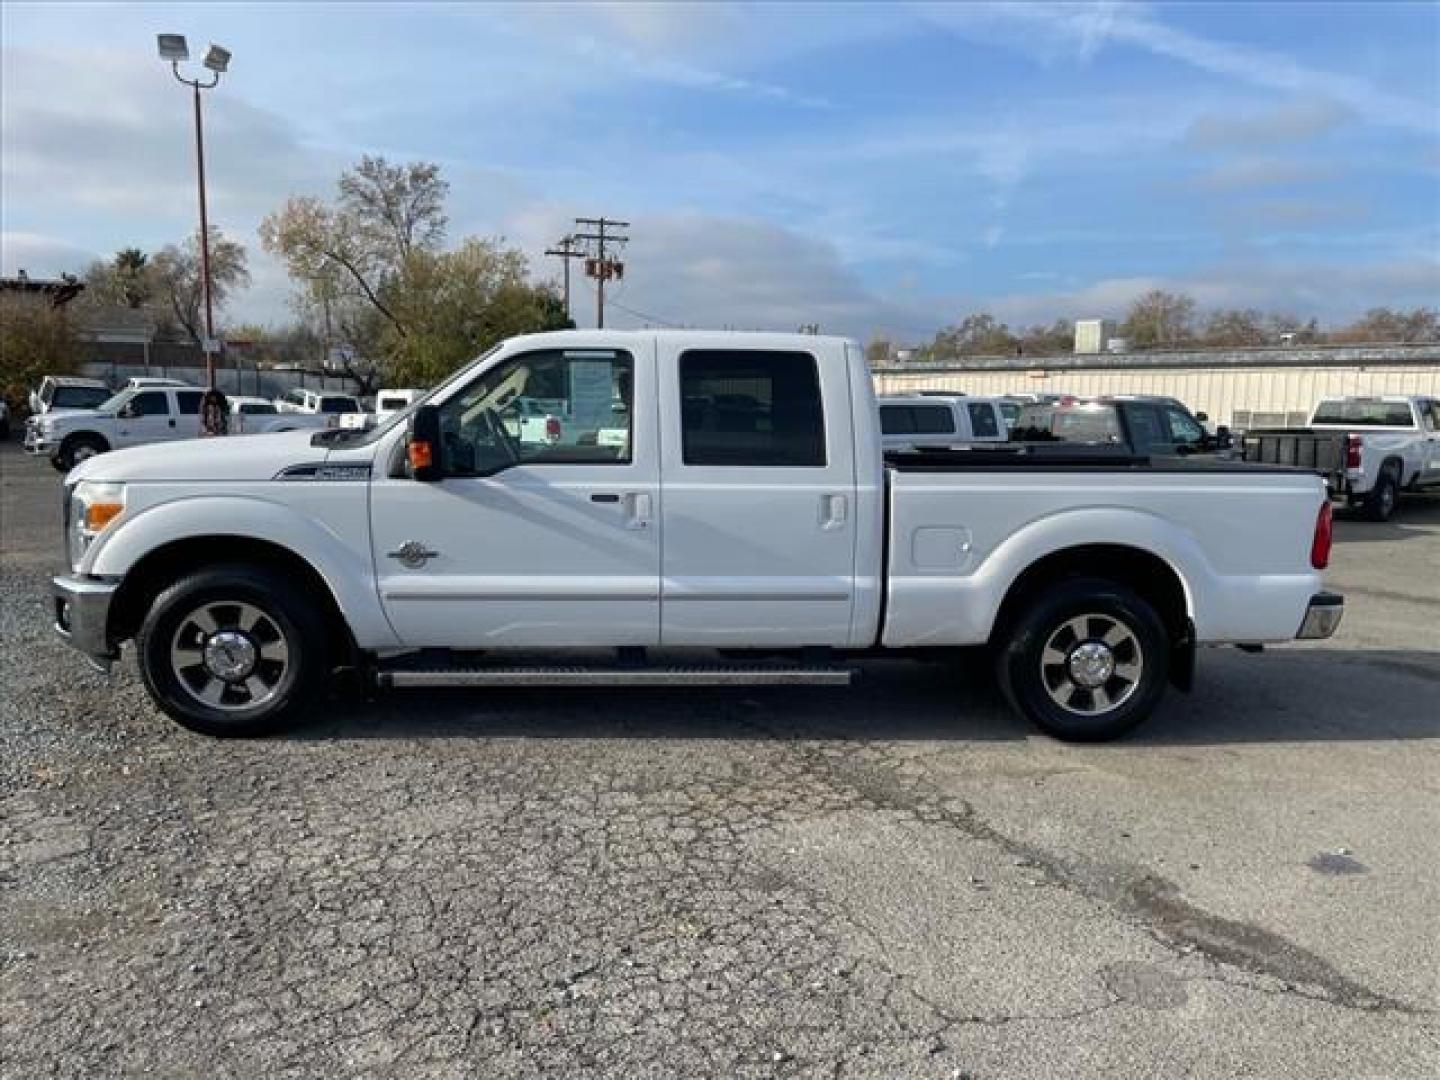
(229, 655)
(1091, 664)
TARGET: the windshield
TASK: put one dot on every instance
(1366, 412)
(77, 397)
(359, 437)
(115, 403)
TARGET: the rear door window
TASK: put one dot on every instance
(982, 420)
(188, 401)
(751, 408)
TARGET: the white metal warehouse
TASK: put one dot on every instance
(1240, 387)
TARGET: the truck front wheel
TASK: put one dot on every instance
(232, 651)
(78, 448)
(1087, 661)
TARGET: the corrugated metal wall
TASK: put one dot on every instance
(1277, 394)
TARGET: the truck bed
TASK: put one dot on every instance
(1066, 457)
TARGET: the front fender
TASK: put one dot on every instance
(344, 563)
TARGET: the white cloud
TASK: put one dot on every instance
(41, 256)
(1244, 174)
(1332, 292)
(1295, 121)
(1087, 29)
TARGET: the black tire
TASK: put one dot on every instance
(78, 448)
(1138, 660)
(227, 595)
(1379, 504)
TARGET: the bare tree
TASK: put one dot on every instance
(177, 279)
(1160, 318)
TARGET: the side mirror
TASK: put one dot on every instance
(1202, 417)
(1224, 440)
(127, 412)
(423, 449)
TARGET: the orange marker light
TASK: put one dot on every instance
(420, 455)
(98, 515)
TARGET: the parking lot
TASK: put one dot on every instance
(896, 880)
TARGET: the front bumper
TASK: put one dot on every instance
(1322, 616)
(35, 442)
(82, 615)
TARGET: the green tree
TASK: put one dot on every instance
(371, 275)
(978, 334)
(1056, 339)
(36, 339)
(1160, 319)
(457, 304)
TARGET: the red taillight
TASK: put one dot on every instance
(1324, 534)
(552, 429)
(1353, 444)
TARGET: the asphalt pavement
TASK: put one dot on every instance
(896, 880)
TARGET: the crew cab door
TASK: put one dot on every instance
(187, 409)
(538, 537)
(148, 417)
(1428, 415)
(758, 495)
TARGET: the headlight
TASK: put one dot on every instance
(93, 506)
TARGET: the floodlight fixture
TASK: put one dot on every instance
(217, 59)
(173, 48)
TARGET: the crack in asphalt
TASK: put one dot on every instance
(1142, 896)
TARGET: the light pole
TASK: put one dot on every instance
(173, 48)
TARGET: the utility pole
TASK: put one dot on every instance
(601, 266)
(566, 250)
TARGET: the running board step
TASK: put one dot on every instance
(582, 676)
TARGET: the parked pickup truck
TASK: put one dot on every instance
(925, 420)
(746, 508)
(1368, 448)
(1142, 423)
(133, 417)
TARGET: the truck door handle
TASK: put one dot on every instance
(637, 509)
(604, 497)
(172, 423)
(834, 509)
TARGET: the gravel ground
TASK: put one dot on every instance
(894, 881)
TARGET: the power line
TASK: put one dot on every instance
(643, 315)
(600, 266)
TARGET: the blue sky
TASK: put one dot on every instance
(881, 170)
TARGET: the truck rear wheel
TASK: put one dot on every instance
(1379, 505)
(1087, 661)
(232, 651)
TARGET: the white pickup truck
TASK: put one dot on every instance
(135, 416)
(914, 422)
(1369, 449)
(745, 507)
